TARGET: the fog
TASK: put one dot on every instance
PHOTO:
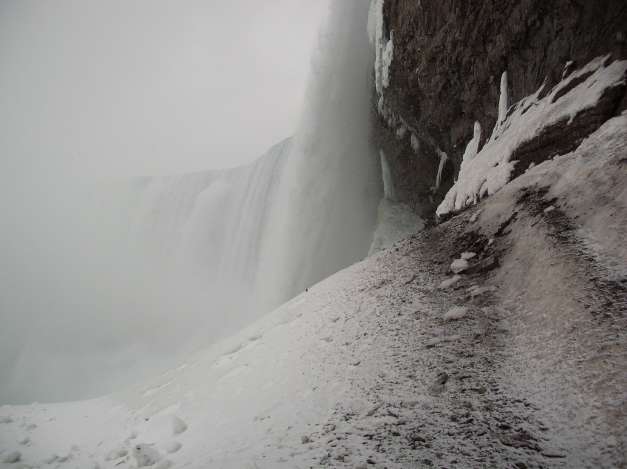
(150, 87)
(106, 278)
(95, 91)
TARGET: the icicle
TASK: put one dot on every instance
(503, 100)
(388, 185)
(438, 178)
(415, 143)
(473, 146)
(388, 55)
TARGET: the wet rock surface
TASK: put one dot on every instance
(448, 59)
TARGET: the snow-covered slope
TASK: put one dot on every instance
(518, 360)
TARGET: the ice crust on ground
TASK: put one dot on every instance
(492, 167)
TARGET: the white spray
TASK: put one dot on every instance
(122, 282)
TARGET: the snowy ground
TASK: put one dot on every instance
(518, 362)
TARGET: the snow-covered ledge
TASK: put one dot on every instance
(493, 166)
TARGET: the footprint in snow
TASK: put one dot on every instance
(146, 455)
(12, 457)
(116, 453)
(178, 425)
(173, 447)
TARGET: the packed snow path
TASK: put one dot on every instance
(519, 361)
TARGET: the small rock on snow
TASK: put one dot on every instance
(456, 312)
(459, 265)
(13, 456)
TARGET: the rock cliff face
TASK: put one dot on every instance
(448, 58)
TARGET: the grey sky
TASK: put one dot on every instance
(122, 87)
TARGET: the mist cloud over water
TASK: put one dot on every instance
(104, 283)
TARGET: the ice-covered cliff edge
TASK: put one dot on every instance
(536, 128)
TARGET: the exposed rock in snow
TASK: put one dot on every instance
(532, 119)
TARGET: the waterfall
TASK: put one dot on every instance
(123, 279)
(326, 212)
(304, 210)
